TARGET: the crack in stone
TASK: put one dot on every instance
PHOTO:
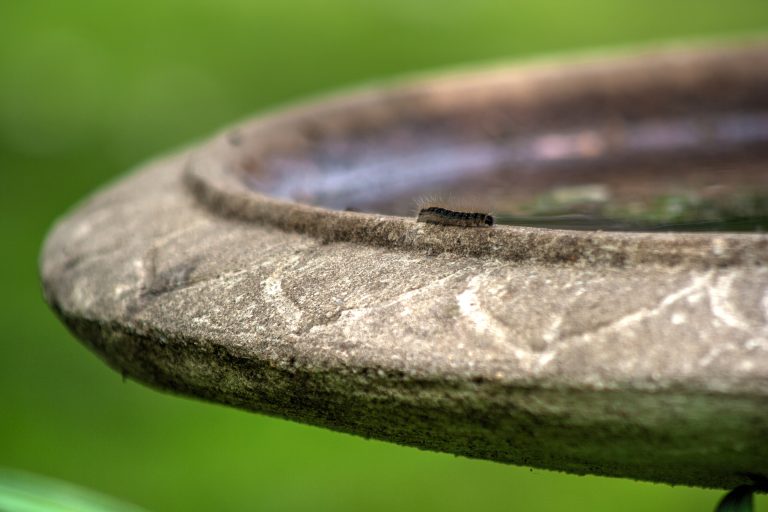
(559, 344)
(721, 306)
(483, 322)
(357, 314)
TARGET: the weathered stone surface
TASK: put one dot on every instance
(632, 355)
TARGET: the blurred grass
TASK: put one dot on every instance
(89, 89)
(24, 492)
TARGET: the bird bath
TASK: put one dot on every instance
(278, 266)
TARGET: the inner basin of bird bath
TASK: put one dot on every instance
(614, 321)
(616, 146)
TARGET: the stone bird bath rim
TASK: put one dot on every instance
(231, 272)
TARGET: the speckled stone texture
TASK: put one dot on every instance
(632, 355)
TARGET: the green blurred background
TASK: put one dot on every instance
(89, 89)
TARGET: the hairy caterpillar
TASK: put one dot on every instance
(437, 215)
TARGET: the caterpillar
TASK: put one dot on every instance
(437, 215)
